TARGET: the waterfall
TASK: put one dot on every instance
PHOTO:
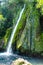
(8, 51)
(13, 32)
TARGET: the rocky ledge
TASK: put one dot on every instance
(21, 61)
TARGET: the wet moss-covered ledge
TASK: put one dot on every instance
(21, 25)
(32, 14)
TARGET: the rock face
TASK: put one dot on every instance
(21, 61)
(28, 36)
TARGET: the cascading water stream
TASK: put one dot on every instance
(13, 32)
(8, 51)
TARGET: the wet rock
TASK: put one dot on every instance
(21, 61)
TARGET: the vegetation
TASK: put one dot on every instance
(40, 5)
(29, 34)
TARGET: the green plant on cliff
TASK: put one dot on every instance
(40, 5)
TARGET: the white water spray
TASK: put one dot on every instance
(12, 35)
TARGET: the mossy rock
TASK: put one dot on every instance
(21, 25)
(7, 36)
(21, 61)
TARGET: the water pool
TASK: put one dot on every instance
(7, 60)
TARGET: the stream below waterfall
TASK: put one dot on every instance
(7, 60)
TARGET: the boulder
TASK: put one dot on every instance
(21, 61)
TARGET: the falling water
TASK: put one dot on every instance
(13, 32)
(8, 52)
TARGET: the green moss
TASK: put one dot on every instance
(7, 36)
(33, 20)
(39, 43)
(21, 23)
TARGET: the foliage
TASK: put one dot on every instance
(6, 18)
(40, 5)
(1, 17)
